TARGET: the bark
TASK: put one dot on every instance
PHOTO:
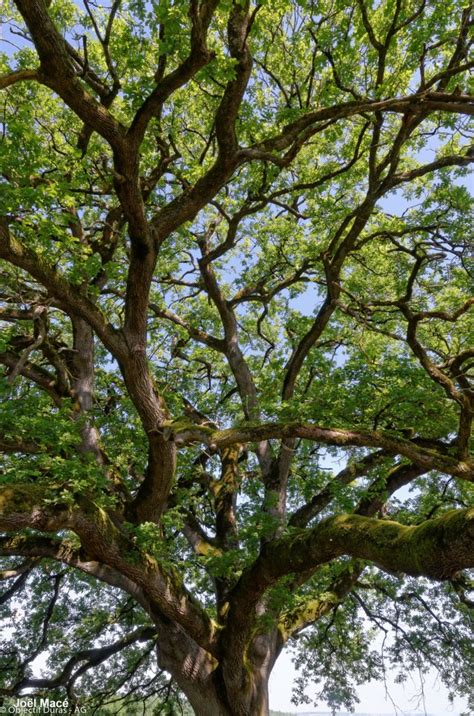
(82, 364)
(223, 666)
(214, 688)
(436, 456)
(224, 669)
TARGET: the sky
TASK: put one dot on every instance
(375, 697)
(399, 700)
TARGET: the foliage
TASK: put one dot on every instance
(236, 348)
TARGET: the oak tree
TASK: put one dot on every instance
(236, 347)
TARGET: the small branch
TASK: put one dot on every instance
(13, 251)
(351, 472)
(10, 446)
(21, 574)
(87, 659)
(39, 320)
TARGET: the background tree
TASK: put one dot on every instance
(236, 293)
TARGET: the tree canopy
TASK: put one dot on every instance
(237, 347)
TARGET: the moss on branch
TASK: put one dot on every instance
(435, 549)
(427, 458)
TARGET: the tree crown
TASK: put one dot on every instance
(236, 322)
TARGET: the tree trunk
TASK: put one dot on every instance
(215, 701)
(203, 682)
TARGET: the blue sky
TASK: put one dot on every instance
(376, 697)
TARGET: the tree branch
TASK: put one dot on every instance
(13, 251)
(201, 16)
(427, 458)
(90, 658)
(57, 72)
(24, 506)
(18, 76)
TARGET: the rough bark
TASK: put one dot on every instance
(223, 663)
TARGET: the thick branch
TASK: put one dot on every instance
(427, 458)
(419, 102)
(13, 251)
(435, 549)
(190, 202)
(23, 506)
(57, 72)
(312, 609)
(201, 15)
(16, 445)
(19, 76)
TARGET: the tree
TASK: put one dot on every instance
(236, 293)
